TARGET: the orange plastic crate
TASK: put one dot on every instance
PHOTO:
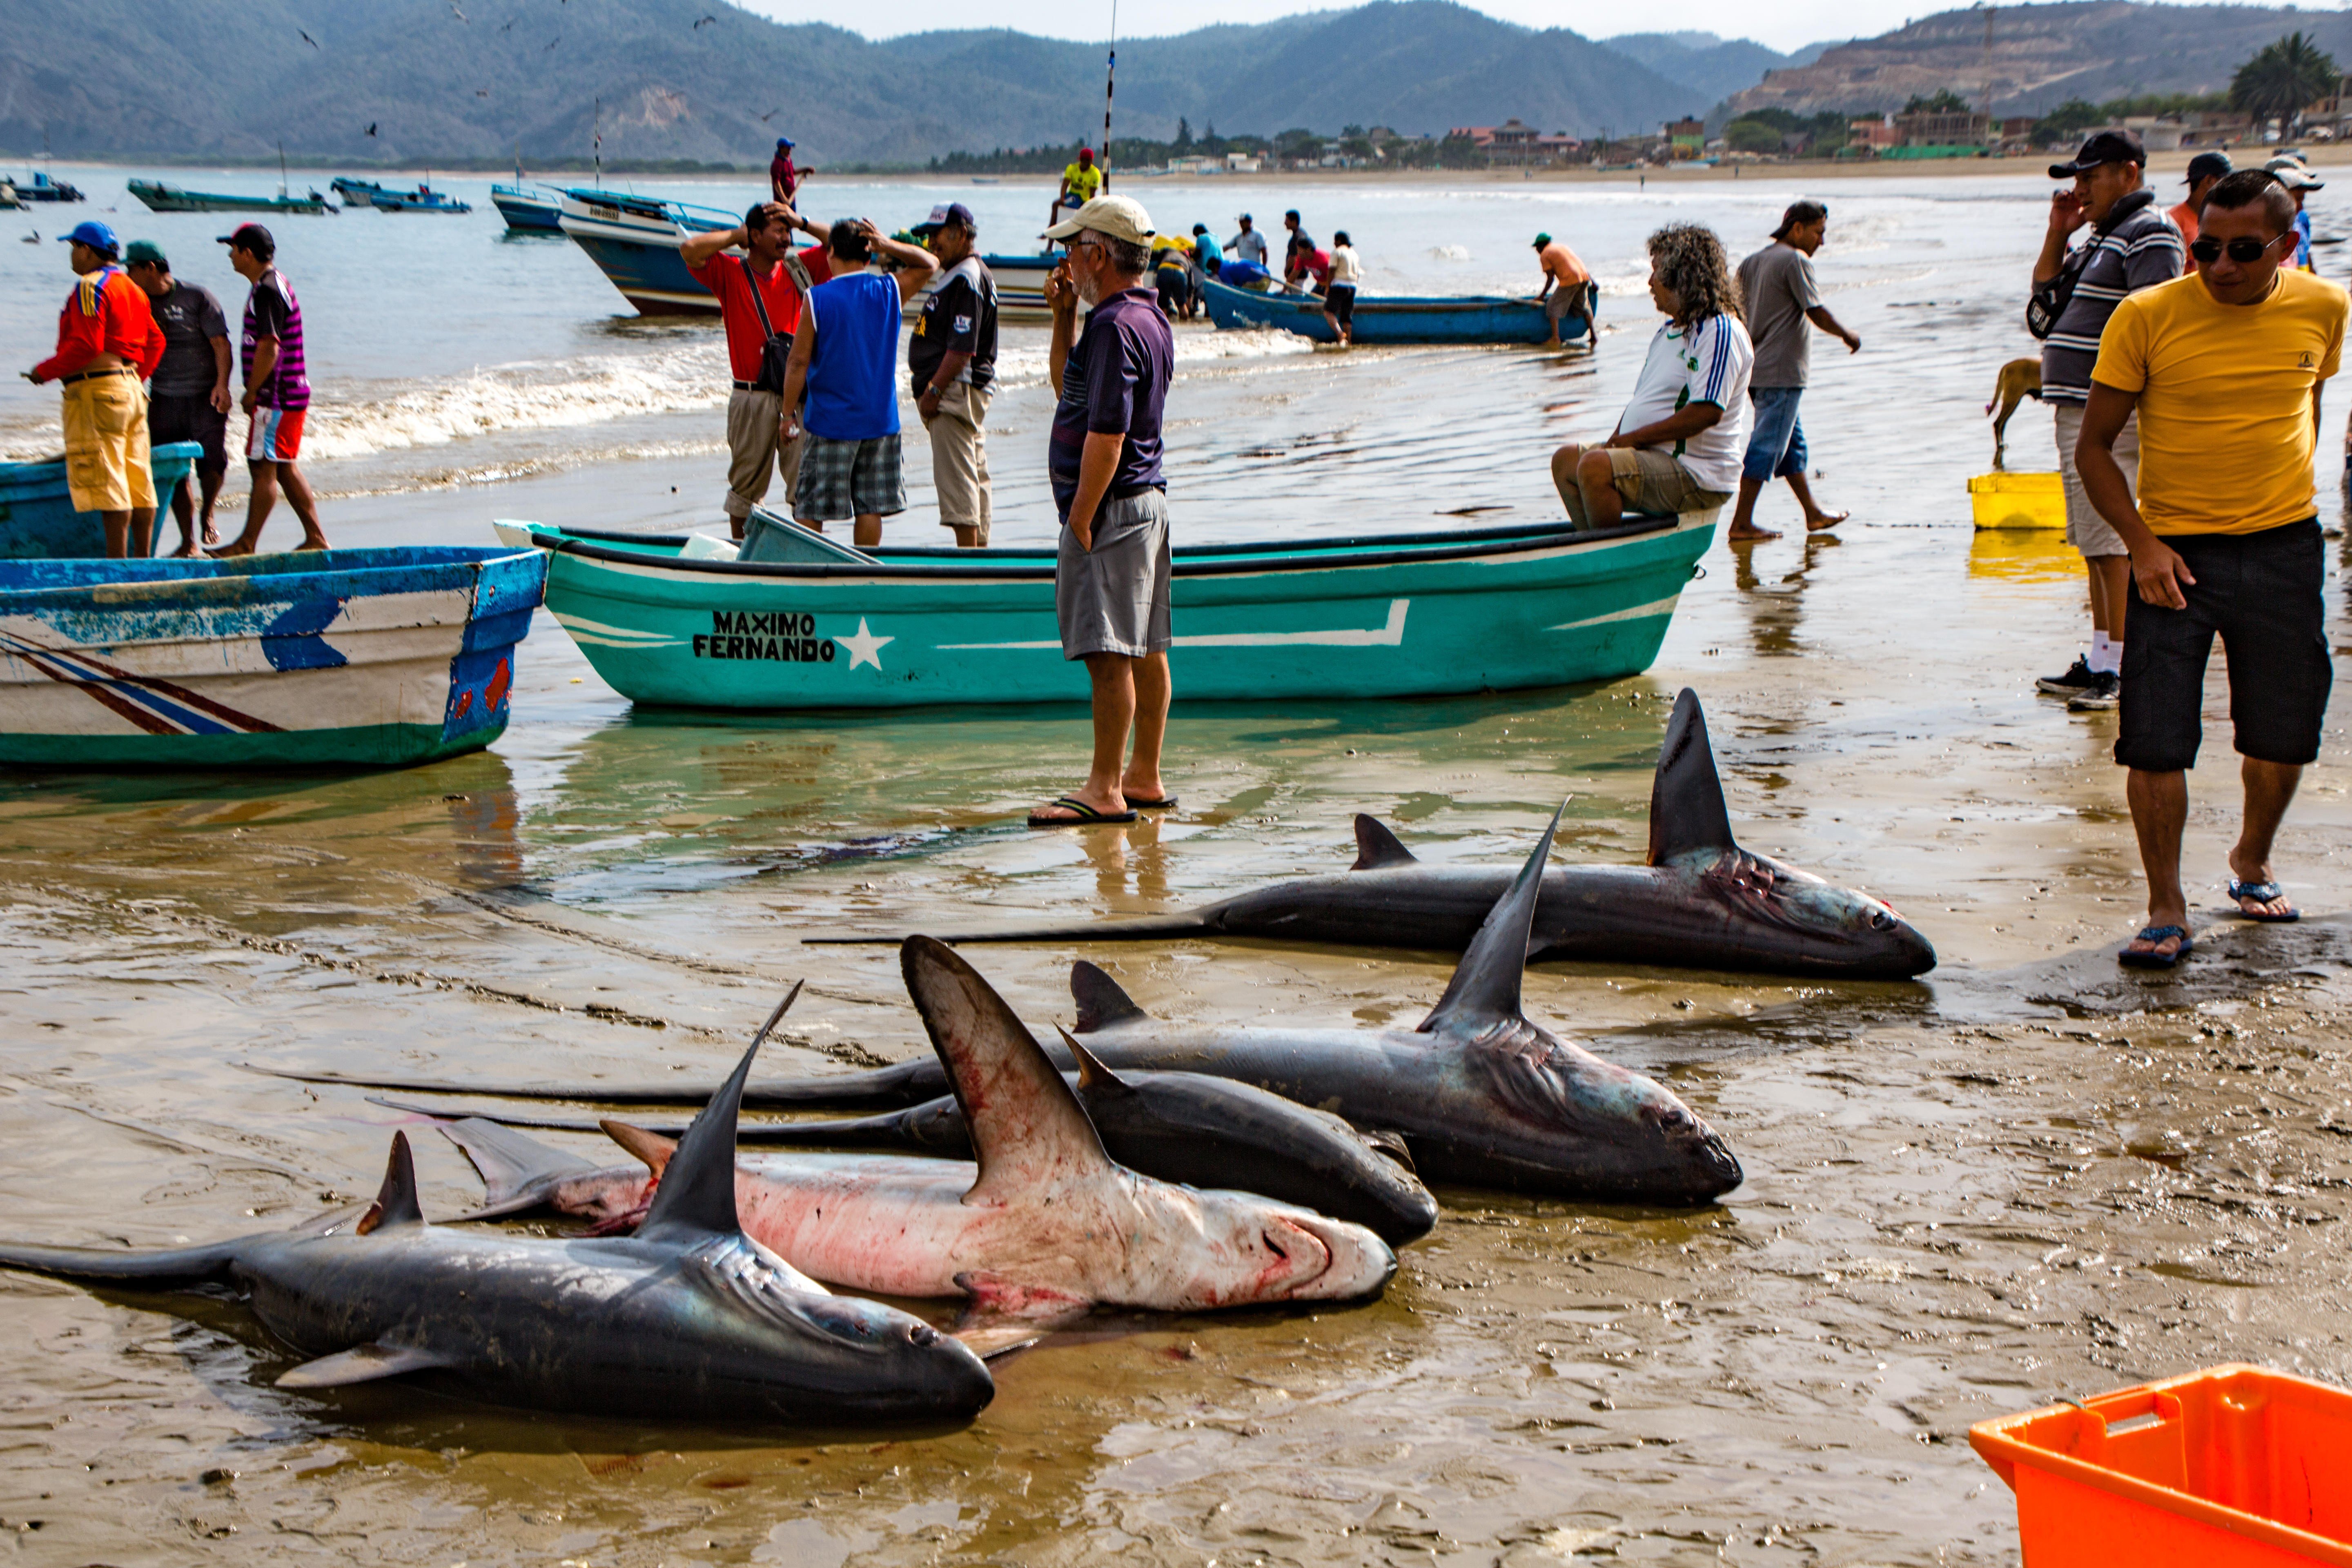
(2233, 1467)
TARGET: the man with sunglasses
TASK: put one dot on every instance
(2222, 369)
(2132, 246)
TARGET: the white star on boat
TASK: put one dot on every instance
(864, 648)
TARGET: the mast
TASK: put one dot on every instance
(1110, 80)
(281, 166)
(599, 143)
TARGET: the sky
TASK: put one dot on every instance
(1784, 25)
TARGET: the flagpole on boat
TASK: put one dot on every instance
(1110, 80)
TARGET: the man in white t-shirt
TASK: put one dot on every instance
(1678, 446)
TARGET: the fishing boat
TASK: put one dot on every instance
(376, 657)
(37, 520)
(1391, 319)
(355, 192)
(528, 209)
(41, 188)
(424, 199)
(163, 198)
(685, 620)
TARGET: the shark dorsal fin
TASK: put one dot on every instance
(1028, 1130)
(651, 1148)
(1093, 1078)
(697, 1195)
(1486, 983)
(395, 1202)
(1376, 846)
(1687, 809)
(1101, 1000)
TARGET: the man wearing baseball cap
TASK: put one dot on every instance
(2132, 246)
(1111, 571)
(2205, 170)
(107, 344)
(188, 399)
(783, 179)
(2292, 171)
(1081, 182)
(951, 359)
(277, 392)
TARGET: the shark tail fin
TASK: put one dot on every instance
(395, 1202)
(1686, 807)
(1486, 985)
(1101, 1000)
(519, 1174)
(1027, 1129)
(697, 1192)
(175, 1269)
(1376, 846)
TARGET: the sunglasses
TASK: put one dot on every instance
(2244, 252)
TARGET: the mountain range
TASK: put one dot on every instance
(415, 81)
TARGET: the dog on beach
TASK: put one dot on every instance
(2019, 379)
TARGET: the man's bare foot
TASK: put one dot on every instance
(2257, 893)
(212, 534)
(314, 541)
(233, 548)
(1750, 534)
(2151, 950)
(1826, 519)
(185, 553)
(1078, 808)
(1147, 794)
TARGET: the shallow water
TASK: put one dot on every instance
(2021, 1180)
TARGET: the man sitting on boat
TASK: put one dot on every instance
(1678, 447)
(1081, 182)
(107, 345)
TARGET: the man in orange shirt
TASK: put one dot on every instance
(2205, 170)
(107, 344)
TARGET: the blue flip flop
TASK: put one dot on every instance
(2261, 893)
(2131, 960)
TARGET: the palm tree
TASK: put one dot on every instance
(2282, 79)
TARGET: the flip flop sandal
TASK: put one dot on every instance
(1087, 815)
(2131, 960)
(1141, 803)
(2261, 893)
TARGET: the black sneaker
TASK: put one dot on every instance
(2101, 694)
(2079, 678)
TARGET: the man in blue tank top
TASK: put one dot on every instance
(845, 361)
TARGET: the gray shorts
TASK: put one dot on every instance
(1114, 597)
(2087, 531)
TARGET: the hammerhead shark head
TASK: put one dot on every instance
(1700, 901)
(688, 1319)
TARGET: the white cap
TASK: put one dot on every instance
(1121, 218)
(2293, 175)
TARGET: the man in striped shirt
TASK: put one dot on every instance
(2132, 246)
(277, 390)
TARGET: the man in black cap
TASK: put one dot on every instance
(2132, 246)
(2205, 170)
(951, 358)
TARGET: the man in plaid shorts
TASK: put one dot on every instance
(844, 360)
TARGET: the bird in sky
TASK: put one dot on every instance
(697, 27)
(456, 13)
(308, 38)
(481, 92)
(552, 42)
(510, 26)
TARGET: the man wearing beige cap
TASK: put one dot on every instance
(1111, 574)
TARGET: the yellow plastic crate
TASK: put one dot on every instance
(2018, 501)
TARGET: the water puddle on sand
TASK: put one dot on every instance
(2028, 1177)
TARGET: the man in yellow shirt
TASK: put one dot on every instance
(1082, 182)
(2223, 366)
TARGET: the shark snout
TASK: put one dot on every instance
(1702, 1165)
(1353, 1262)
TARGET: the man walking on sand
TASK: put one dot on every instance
(107, 344)
(951, 359)
(2132, 246)
(845, 358)
(1568, 286)
(277, 390)
(759, 295)
(190, 398)
(1776, 287)
(1111, 575)
(2223, 370)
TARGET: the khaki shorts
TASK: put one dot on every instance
(1651, 482)
(753, 453)
(106, 445)
(960, 458)
(2087, 531)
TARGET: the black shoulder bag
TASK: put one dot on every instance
(2050, 299)
(776, 352)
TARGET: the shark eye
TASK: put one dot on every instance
(1674, 1119)
(1881, 920)
(923, 1335)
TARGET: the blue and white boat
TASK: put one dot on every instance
(330, 658)
(1391, 319)
(529, 209)
(37, 520)
(356, 193)
(423, 199)
(635, 240)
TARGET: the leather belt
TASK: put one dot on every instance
(747, 386)
(93, 375)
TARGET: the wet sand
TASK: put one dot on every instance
(2027, 1177)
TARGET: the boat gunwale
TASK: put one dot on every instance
(347, 581)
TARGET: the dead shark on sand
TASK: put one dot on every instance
(1700, 903)
(1041, 1230)
(688, 1319)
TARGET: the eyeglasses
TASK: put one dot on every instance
(2244, 252)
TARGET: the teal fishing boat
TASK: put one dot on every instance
(37, 520)
(163, 198)
(685, 620)
(335, 658)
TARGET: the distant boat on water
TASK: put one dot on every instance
(424, 199)
(355, 192)
(41, 188)
(1392, 319)
(529, 209)
(163, 198)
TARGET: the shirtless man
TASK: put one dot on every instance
(1568, 286)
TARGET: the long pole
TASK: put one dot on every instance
(1110, 80)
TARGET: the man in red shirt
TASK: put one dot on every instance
(108, 344)
(755, 413)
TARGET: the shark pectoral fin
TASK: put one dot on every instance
(1376, 846)
(1027, 1127)
(654, 1148)
(1005, 1315)
(360, 1364)
(1093, 1076)
(1102, 1002)
(1390, 1146)
(395, 1202)
(1686, 806)
(1486, 985)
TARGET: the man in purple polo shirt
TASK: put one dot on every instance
(1110, 579)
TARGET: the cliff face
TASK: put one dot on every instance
(2040, 56)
